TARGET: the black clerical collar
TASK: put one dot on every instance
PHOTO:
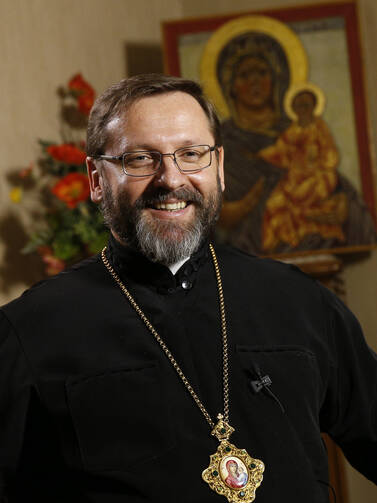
(128, 263)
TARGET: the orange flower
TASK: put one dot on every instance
(85, 93)
(72, 189)
(54, 265)
(67, 153)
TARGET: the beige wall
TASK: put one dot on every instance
(44, 42)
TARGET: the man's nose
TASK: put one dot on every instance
(169, 174)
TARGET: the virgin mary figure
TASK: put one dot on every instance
(255, 75)
(237, 477)
(253, 72)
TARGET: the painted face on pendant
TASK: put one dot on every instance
(234, 472)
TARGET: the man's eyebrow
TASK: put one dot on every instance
(146, 146)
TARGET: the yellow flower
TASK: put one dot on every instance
(15, 195)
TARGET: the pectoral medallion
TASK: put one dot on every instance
(232, 472)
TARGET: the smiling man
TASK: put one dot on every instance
(165, 368)
(171, 200)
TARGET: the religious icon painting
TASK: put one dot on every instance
(298, 170)
(233, 473)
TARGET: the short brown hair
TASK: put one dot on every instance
(117, 100)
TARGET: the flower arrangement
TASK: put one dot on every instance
(70, 226)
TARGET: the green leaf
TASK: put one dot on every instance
(64, 246)
(96, 245)
(41, 238)
(45, 143)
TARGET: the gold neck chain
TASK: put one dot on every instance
(166, 349)
(217, 476)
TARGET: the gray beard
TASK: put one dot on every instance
(161, 241)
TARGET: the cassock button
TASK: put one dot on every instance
(186, 285)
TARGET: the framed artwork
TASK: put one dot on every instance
(288, 86)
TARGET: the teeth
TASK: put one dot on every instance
(171, 206)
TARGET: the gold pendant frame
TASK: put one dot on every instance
(212, 475)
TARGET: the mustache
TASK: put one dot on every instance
(160, 195)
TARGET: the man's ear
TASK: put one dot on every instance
(221, 167)
(95, 180)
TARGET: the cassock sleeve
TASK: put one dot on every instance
(15, 379)
(349, 412)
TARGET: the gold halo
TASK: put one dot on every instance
(300, 87)
(291, 44)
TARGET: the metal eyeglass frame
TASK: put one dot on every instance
(122, 156)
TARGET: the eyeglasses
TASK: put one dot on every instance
(148, 162)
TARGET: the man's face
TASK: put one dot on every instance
(165, 216)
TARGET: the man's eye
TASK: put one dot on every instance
(190, 155)
(138, 158)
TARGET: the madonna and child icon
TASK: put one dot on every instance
(233, 472)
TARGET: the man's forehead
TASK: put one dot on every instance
(114, 133)
(165, 103)
(174, 113)
(115, 124)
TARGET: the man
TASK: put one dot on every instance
(113, 373)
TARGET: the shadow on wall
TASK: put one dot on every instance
(143, 58)
(16, 268)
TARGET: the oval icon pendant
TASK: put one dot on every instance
(232, 472)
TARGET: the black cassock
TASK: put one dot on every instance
(91, 410)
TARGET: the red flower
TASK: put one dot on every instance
(84, 91)
(79, 84)
(85, 103)
(54, 265)
(67, 153)
(72, 189)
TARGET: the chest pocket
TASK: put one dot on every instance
(120, 417)
(286, 414)
(292, 371)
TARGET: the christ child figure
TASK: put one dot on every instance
(303, 203)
